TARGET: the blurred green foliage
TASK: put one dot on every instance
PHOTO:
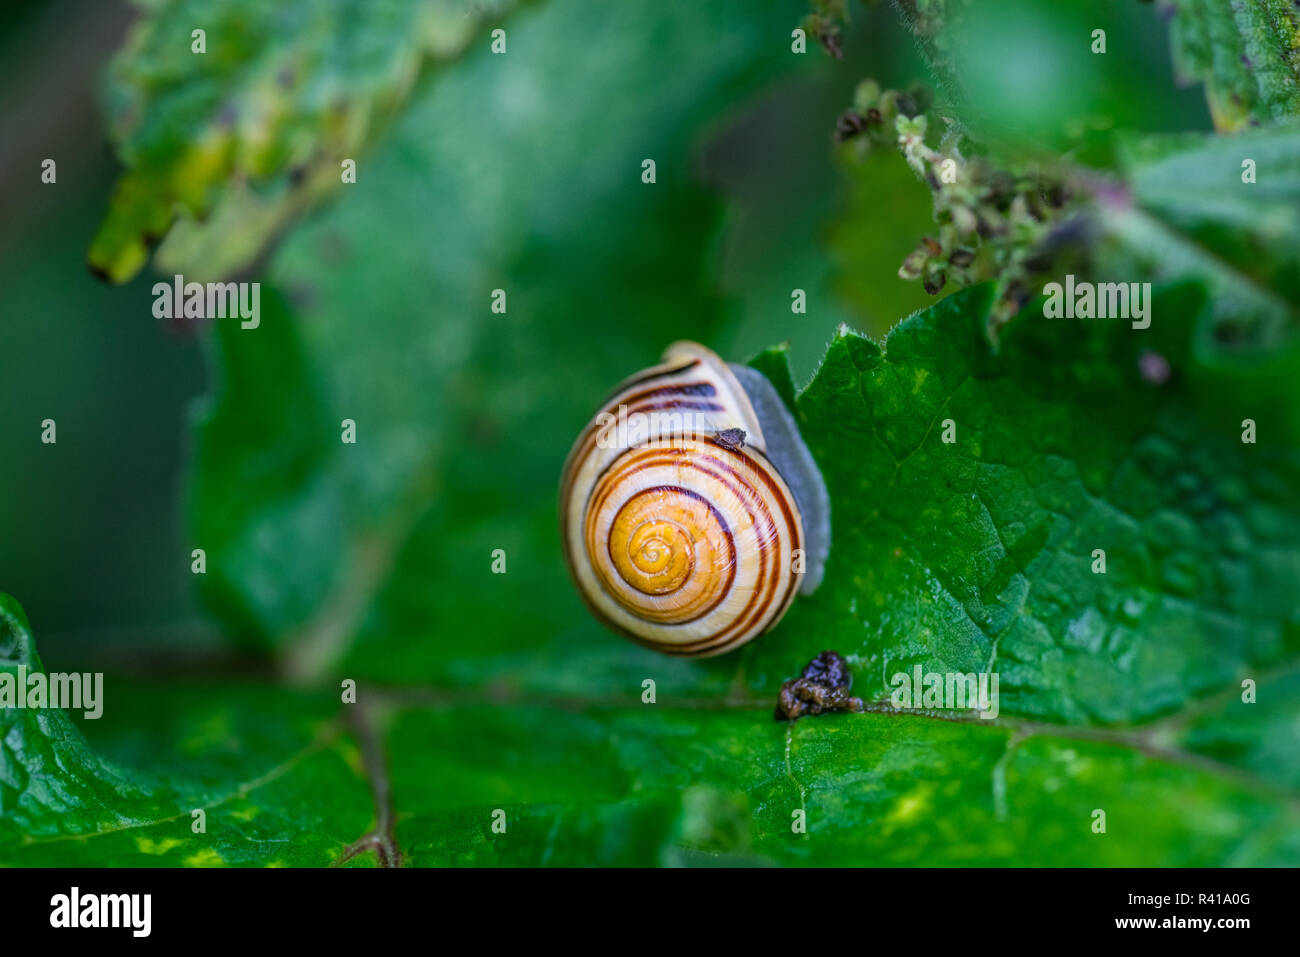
(371, 562)
(1191, 215)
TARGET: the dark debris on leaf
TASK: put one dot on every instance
(823, 686)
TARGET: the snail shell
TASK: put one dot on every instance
(690, 508)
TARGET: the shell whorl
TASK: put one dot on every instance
(680, 536)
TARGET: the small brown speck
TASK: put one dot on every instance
(849, 124)
(731, 438)
(830, 39)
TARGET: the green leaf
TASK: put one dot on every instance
(276, 776)
(241, 138)
(681, 782)
(672, 784)
(978, 555)
(1187, 213)
(1244, 52)
(50, 781)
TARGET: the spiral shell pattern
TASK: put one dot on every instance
(680, 535)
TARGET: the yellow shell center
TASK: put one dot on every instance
(657, 558)
(672, 556)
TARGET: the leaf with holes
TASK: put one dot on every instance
(1244, 52)
(234, 118)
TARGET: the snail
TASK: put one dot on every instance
(690, 508)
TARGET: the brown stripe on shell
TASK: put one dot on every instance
(748, 617)
(674, 457)
(720, 639)
(658, 372)
(731, 546)
(582, 447)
